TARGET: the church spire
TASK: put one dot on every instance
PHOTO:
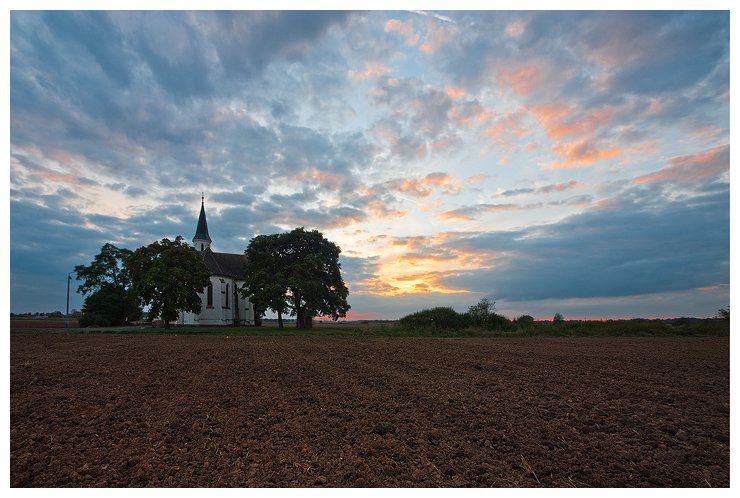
(202, 241)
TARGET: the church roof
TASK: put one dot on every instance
(201, 233)
(228, 265)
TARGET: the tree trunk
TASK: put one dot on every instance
(299, 317)
(280, 321)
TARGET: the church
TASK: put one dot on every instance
(222, 301)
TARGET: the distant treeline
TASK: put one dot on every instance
(481, 320)
(55, 314)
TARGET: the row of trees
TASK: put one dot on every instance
(165, 276)
(295, 273)
(482, 316)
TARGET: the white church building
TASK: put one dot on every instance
(222, 301)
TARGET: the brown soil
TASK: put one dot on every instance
(165, 411)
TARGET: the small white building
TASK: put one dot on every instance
(222, 301)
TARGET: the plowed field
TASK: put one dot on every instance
(166, 410)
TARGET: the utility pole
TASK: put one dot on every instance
(66, 315)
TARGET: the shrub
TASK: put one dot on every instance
(87, 320)
(499, 322)
(440, 318)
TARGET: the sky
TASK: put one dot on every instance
(571, 162)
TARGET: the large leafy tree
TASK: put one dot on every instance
(106, 283)
(480, 313)
(265, 283)
(167, 276)
(298, 272)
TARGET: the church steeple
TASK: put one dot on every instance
(202, 241)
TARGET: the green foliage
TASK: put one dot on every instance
(525, 321)
(435, 319)
(297, 272)
(167, 276)
(108, 268)
(266, 283)
(107, 282)
(724, 313)
(499, 322)
(558, 319)
(479, 314)
(110, 305)
(682, 322)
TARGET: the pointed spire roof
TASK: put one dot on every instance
(201, 233)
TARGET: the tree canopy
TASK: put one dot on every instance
(167, 276)
(266, 284)
(108, 267)
(296, 272)
(107, 284)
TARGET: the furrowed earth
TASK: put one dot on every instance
(114, 410)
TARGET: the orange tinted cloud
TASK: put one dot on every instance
(466, 214)
(403, 28)
(552, 115)
(582, 153)
(454, 215)
(423, 187)
(649, 147)
(420, 264)
(440, 144)
(582, 127)
(508, 123)
(549, 113)
(380, 211)
(438, 34)
(318, 177)
(514, 29)
(693, 167)
(57, 177)
(472, 115)
(455, 94)
(372, 71)
(560, 187)
(523, 81)
(474, 178)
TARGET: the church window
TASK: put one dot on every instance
(227, 295)
(210, 295)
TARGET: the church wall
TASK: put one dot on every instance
(219, 313)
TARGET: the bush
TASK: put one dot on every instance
(499, 322)
(87, 320)
(440, 318)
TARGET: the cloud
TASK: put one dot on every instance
(632, 251)
(582, 153)
(337, 120)
(438, 34)
(404, 28)
(523, 81)
(507, 124)
(468, 213)
(560, 187)
(371, 72)
(423, 187)
(552, 116)
(692, 168)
